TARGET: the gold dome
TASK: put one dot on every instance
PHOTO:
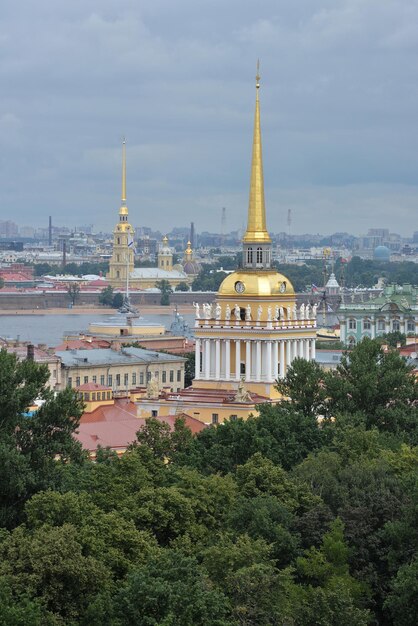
(123, 210)
(256, 284)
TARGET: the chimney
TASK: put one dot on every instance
(50, 231)
(30, 352)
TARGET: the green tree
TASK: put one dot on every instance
(73, 291)
(31, 445)
(172, 589)
(117, 300)
(106, 296)
(402, 601)
(166, 290)
(304, 388)
(182, 287)
(189, 368)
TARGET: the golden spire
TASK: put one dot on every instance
(256, 227)
(124, 171)
(123, 209)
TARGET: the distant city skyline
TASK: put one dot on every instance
(338, 112)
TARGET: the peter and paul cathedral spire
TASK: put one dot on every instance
(122, 261)
(257, 241)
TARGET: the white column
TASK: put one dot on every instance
(197, 360)
(268, 362)
(301, 348)
(237, 359)
(306, 342)
(217, 359)
(258, 361)
(343, 330)
(228, 359)
(313, 349)
(248, 360)
(282, 363)
(207, 358)
(276, 358)
(288, 352)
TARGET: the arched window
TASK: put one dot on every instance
(380, 324)
(352, 324)
(259, 255)
(366, 324)
(118, 241)
(250, 255)
(396, 326)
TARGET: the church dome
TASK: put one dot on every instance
(254, 284)
(381, 253)
(191, 267)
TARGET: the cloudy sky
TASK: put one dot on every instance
(339, 106)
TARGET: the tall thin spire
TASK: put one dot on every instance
(256, 226)
(124, 171)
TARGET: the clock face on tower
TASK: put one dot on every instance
(239, 287)
(282, 287)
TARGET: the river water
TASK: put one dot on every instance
(49, 329)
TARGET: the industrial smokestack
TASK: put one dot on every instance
(50, 231)
(64, 254)
(30, 352)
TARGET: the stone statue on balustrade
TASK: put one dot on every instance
(207, 310)
(281, 313)
(308, 312)
(302, 312)
(269, 314)
(295, 312)
(248, 312)
(197, 309)
(276, 312)
(237, 312)
(228, 312)
(242, 395)
(259, 312)
(153, 389)
(314, 310)
(218, 311)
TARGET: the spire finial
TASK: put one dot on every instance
(124, 171)
(256, 224)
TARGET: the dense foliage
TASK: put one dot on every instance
(273, 521)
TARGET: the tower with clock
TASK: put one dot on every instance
(254, 330)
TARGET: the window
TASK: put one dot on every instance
(164, 377)
(110, 380)
(109, 395)
(171, 376)
(141, 378)
(70, 381)
(118, 241)
(148, 376)
(259, 255)
(233, 418)
(134, 378)
(242, 368)
(178, 376)
(86, 380)
(86, 397)
(126, 379)
(396, 326)
(94, 379)
(215, 418)
(118, 258)
(250, 255)
(154, 413)
(77, 381)
(380, 324)
(102, 379)
(117, 380)
(93, 397)
(411, 326)
(366, 325)
(352, 324)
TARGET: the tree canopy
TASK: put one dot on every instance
(279, 520)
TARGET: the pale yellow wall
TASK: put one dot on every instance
(105, 370)
(201, 412)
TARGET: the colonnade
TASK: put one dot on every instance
(254, 359)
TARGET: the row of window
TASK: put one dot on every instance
(215, 418)
(258, 255)
(381, 325)
(117, 379)
(99, 395)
